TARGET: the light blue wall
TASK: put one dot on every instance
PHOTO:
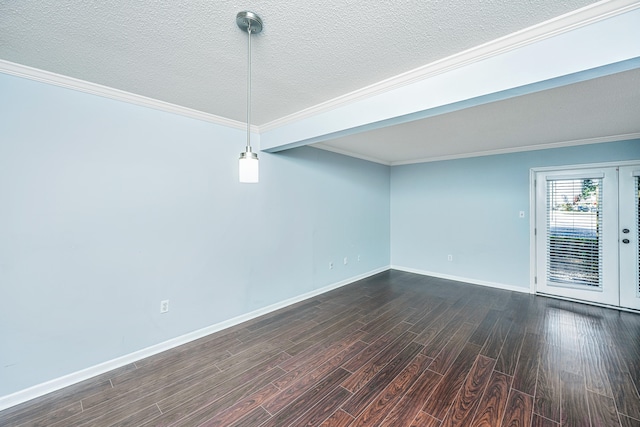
(107, 208)
(469, 208)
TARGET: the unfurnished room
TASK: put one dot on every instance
(329, 213)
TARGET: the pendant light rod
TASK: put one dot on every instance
(252, 24)
(248, 162)
(249, 89)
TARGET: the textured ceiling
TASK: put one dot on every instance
(578, 112)
(192, 54)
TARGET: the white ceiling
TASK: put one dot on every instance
(579, 113)
(192, 54)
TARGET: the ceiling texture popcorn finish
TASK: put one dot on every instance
(186, 53)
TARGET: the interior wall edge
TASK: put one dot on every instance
(41, 389)
(489, 284)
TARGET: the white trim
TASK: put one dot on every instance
(84, 374)
(116, 94)
(597, 304)
(573, 20)
(349, 153)
(533, 261)
(561, 168)
(586, 141)
(576, 19)
(463, 279)
(577, 176)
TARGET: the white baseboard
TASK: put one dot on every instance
(84, 374)
(463, 279)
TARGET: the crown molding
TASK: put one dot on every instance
(579, 18)
(43, 76)
(561, 24)
(350, 153)
(586, 141)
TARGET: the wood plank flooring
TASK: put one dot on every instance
(396, 349)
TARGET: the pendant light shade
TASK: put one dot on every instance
(249, 167)
(248, 163)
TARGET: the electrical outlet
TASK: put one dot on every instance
(346, 261)
(449, 257)
(358, 258)
(330, 265)
(164, 306)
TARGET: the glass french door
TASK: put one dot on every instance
(587, 234)
(629, 228)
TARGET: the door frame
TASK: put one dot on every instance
(533, 219)
(629, 255)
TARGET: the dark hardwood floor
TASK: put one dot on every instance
(396, 349)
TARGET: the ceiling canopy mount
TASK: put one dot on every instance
(247, 20)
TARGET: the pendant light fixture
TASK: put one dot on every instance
(252, 24)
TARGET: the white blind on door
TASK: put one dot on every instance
(574, 232)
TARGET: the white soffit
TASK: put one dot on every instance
(583, 51)
(596, 110)
(548, 29)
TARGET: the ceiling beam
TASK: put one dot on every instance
(598, 48)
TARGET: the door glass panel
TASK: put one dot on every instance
(574, 233)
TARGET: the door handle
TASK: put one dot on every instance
(625, 230)
(625, 240)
